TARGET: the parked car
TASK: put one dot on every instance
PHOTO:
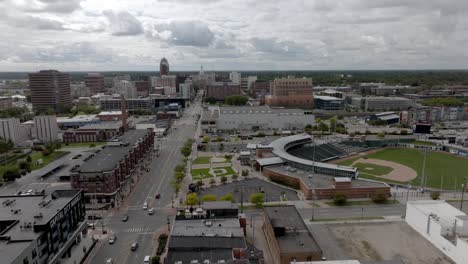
(145, 206)
(151, 211)
(109, 261)
(125, 218)
(147, 259)
(134, 246)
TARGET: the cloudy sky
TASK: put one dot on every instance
(87, 35)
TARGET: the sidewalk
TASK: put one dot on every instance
(78, 252)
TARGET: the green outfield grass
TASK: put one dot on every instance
(442, 169)
(373, 169)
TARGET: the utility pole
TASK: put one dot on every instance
(462, 196)
(423, 174)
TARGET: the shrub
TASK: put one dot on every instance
(379, 197)
(45, 152)
(340, 199)
(228, 197)
(209, 198)
(435, 195)
(235, 176)
(245, 173)
(223, 179)
(155, 260)
(212, 181)
(200, 183)
(192, 199)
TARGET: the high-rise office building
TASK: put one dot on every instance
(164, 67)
(235, 77)
(50, 89)
(291, 92)
(95, 83)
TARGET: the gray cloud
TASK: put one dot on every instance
(123, 23)
(184, 33)
(52, 6)
(276, 46)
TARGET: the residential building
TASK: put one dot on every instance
(126, 88)
(11, 129)
(42, 228)
(46, 128)
(106, 177)
(164, 67)
(95, 83)
(235, 77)
(442, 225)
(325, 102)
(254, 118)
(210, 233)
(291, 92)
(378, 103)
(220, 90)
(287, 235)
(5, 102)
(50, 89)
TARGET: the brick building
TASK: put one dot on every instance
(106, 177)
(50, 89)
(287, 235)
(95, 83)
(5, 102)
(220, 90)
(291, 92)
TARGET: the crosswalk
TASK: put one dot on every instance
(139, 230)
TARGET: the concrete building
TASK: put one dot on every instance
(254, 118)
(50, 89)
(186, 90)
(77, 121)
(132, 104)
(433, 114)
(5, 102)
(41, 228)
(330, 92)
(388, 117)
(46, 128)
(143, 88)
(210, 233)
(118, 78)
(441, 224)
(235, 77)
(376, 103)
(220, 90)
(11, 129)
(287, 235)
(260, 87)
(106, 177)
(169, 90)
(126, 88)
(164, 80)
(329, 103)
(291, 92)
(95, 83)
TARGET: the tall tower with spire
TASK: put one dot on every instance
(164, 67)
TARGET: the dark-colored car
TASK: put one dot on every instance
(158, 196)
(125, 218)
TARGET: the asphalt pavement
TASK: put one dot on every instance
(140, 226)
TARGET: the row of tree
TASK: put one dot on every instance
(192, 199)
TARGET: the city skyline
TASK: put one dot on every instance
(223, 35)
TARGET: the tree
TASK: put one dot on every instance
(258, 199)
(221, 147)
(209, 198)
(6, 146)
(192, 199)
(381, 135)
(245, 173)
(175, 185)
(223, 179)
(24, 165)
(11, 174)
(340, 199)
(210, 100)
(28, 159)
(235, 176)
(45, 152)
(404, 132)
(228, 197)
(199, 183)
(206, 139)
(236, 100)
(435, 195)
(186, 151)
(323, 127)
(332, 121)
(212, 181)
(156, 260)
(379, 197)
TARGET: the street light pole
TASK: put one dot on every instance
(462, 196)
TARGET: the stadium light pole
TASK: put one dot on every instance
(462, 196)
(423, 174)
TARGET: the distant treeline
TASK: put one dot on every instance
(427, 78)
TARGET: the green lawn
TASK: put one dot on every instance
(373, 169)
(198, 174)
(348, 162)
(83, 144)
(442, 169)
(375, 178)
(46, 159)
(229, 171)
(427, 143)
(202, 160)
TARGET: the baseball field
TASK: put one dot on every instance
(402, 165)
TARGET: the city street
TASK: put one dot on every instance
(140, 226)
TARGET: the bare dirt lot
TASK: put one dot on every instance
(386, 241)
(400, 172)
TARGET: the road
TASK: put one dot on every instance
(140, 227)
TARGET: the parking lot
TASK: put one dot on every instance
(250, 186)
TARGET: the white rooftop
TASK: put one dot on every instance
(110, 113)
(441, 208)
(327, 98)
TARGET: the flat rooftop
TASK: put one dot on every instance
(224, 227)
(24, 209)
(77, 118)
(102, 125)
(321, 181)
(109, 156)
(297, 238)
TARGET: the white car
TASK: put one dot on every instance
(145, 206)
(151, 211)
(147, 259)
